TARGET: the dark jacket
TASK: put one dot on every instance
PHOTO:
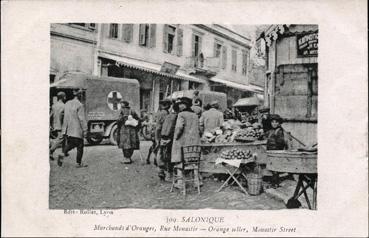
(275, 139)
(159, 120)
(169, 124)
(128, 135)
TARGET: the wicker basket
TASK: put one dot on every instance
(254, 183)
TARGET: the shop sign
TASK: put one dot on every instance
(169, 68)
(307, 44)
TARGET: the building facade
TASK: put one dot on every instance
(163, 57)
(291, 80)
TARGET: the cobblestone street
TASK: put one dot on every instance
(106, 183)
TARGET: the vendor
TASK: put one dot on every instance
(275, 141)
(275, 136)
(212, 118)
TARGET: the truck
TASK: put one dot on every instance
(101, 99)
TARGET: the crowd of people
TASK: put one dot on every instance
(178, 123)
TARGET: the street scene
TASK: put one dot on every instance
(183, 116)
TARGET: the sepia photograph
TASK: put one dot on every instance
(183, 116)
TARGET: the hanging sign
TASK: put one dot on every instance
(169, 68)
(307, 44)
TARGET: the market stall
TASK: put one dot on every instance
(234, 149)
(248, 108)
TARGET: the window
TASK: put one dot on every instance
(217, 50)
(220, 51)
(234, 60)
(196, 51)
(196, 46)
(127, 32)
(147, 35)
(113, 31)
(244, 62)
(172, 40)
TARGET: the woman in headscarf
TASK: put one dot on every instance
(128, 127)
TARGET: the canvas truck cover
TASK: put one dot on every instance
(103, 94)
(205, 95)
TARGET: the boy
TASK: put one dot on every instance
(275, 141)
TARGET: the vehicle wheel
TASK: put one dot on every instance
(113, 135)
(94, 139)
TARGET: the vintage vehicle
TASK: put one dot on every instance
(101, 99)
(205, 95)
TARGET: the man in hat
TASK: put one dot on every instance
(166, 142)
(211, 118)
(74, 128)
(57, 115)
(186, 133)
(164, 106)
(127, 137)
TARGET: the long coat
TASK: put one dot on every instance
(128, 135)
(186, 133)
(74, 123)
(211, 119)
(57, 114)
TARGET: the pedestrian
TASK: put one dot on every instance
(196, 96)
(128, 125)
(186, 133)
(211, 119)
(57, 116)
(197, 107)
(164, 106)
(166, 142)
(275, 141)
(74, 128)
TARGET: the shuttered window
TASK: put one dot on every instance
(234, 60)
(152, 37)
(244, 62)
(113, 31)
(147, 35)
(127, 32)
(224, 57)
(172, 40)
(179, 42)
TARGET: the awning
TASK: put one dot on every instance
(149, 67)
(71, 81)
(244, 87)
(244, 102)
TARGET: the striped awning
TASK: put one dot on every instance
(148, 67)
(243, 87)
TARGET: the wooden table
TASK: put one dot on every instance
(296, 162)
(235, 172)
(212, 151)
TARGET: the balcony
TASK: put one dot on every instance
(209, 66)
